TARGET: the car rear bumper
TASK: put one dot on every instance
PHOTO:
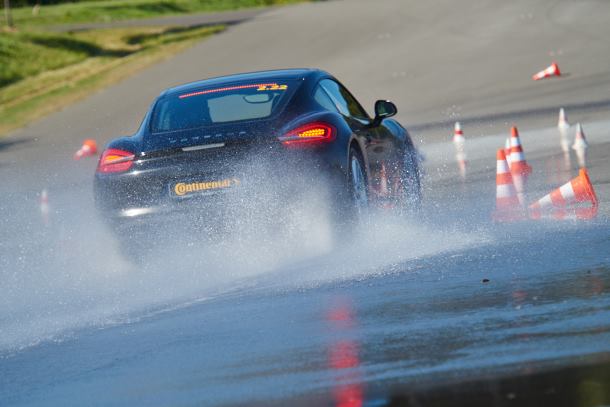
(149, 195)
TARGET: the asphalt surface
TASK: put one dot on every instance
(443, 299)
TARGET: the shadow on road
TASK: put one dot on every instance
(11, 144)
(587, 385)
(515, 114)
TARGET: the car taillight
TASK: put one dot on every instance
(311, 133)
(115, 160)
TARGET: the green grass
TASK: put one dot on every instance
(23, 55)
(115, 10)
(57, 70)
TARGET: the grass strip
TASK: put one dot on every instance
(87, 62)
(114, 10)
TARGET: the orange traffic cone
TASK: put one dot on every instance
(519, 168)
(458, 142)
(580, 146)
(89, 148)
(507, 204)
(44, 206)
(458, 136)
(518, 165)
(552, 70)
(578, 191)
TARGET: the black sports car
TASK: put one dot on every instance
(207, 149)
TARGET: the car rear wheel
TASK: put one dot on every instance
(351, 201)
(357, 185)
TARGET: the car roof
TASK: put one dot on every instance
(278, 74)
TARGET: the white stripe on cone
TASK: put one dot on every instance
(545, 202)
(504, 191)
(502, 167)
(516, 156)
(567, 191)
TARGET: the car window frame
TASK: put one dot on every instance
(366, 118)
(325, 93)
(153, 110)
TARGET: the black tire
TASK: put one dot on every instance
(357, 186)
(348, 214)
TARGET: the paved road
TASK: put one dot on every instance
(241, 321)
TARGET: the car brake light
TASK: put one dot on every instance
(115, 160)
(311, 133)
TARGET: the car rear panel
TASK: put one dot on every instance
(183, 167)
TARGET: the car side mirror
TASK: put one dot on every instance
(383, 109)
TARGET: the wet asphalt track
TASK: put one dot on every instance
(404, 309)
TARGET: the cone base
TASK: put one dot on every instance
(565, 214)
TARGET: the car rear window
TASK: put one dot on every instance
(231, 103)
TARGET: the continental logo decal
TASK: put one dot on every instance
(183, 188)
